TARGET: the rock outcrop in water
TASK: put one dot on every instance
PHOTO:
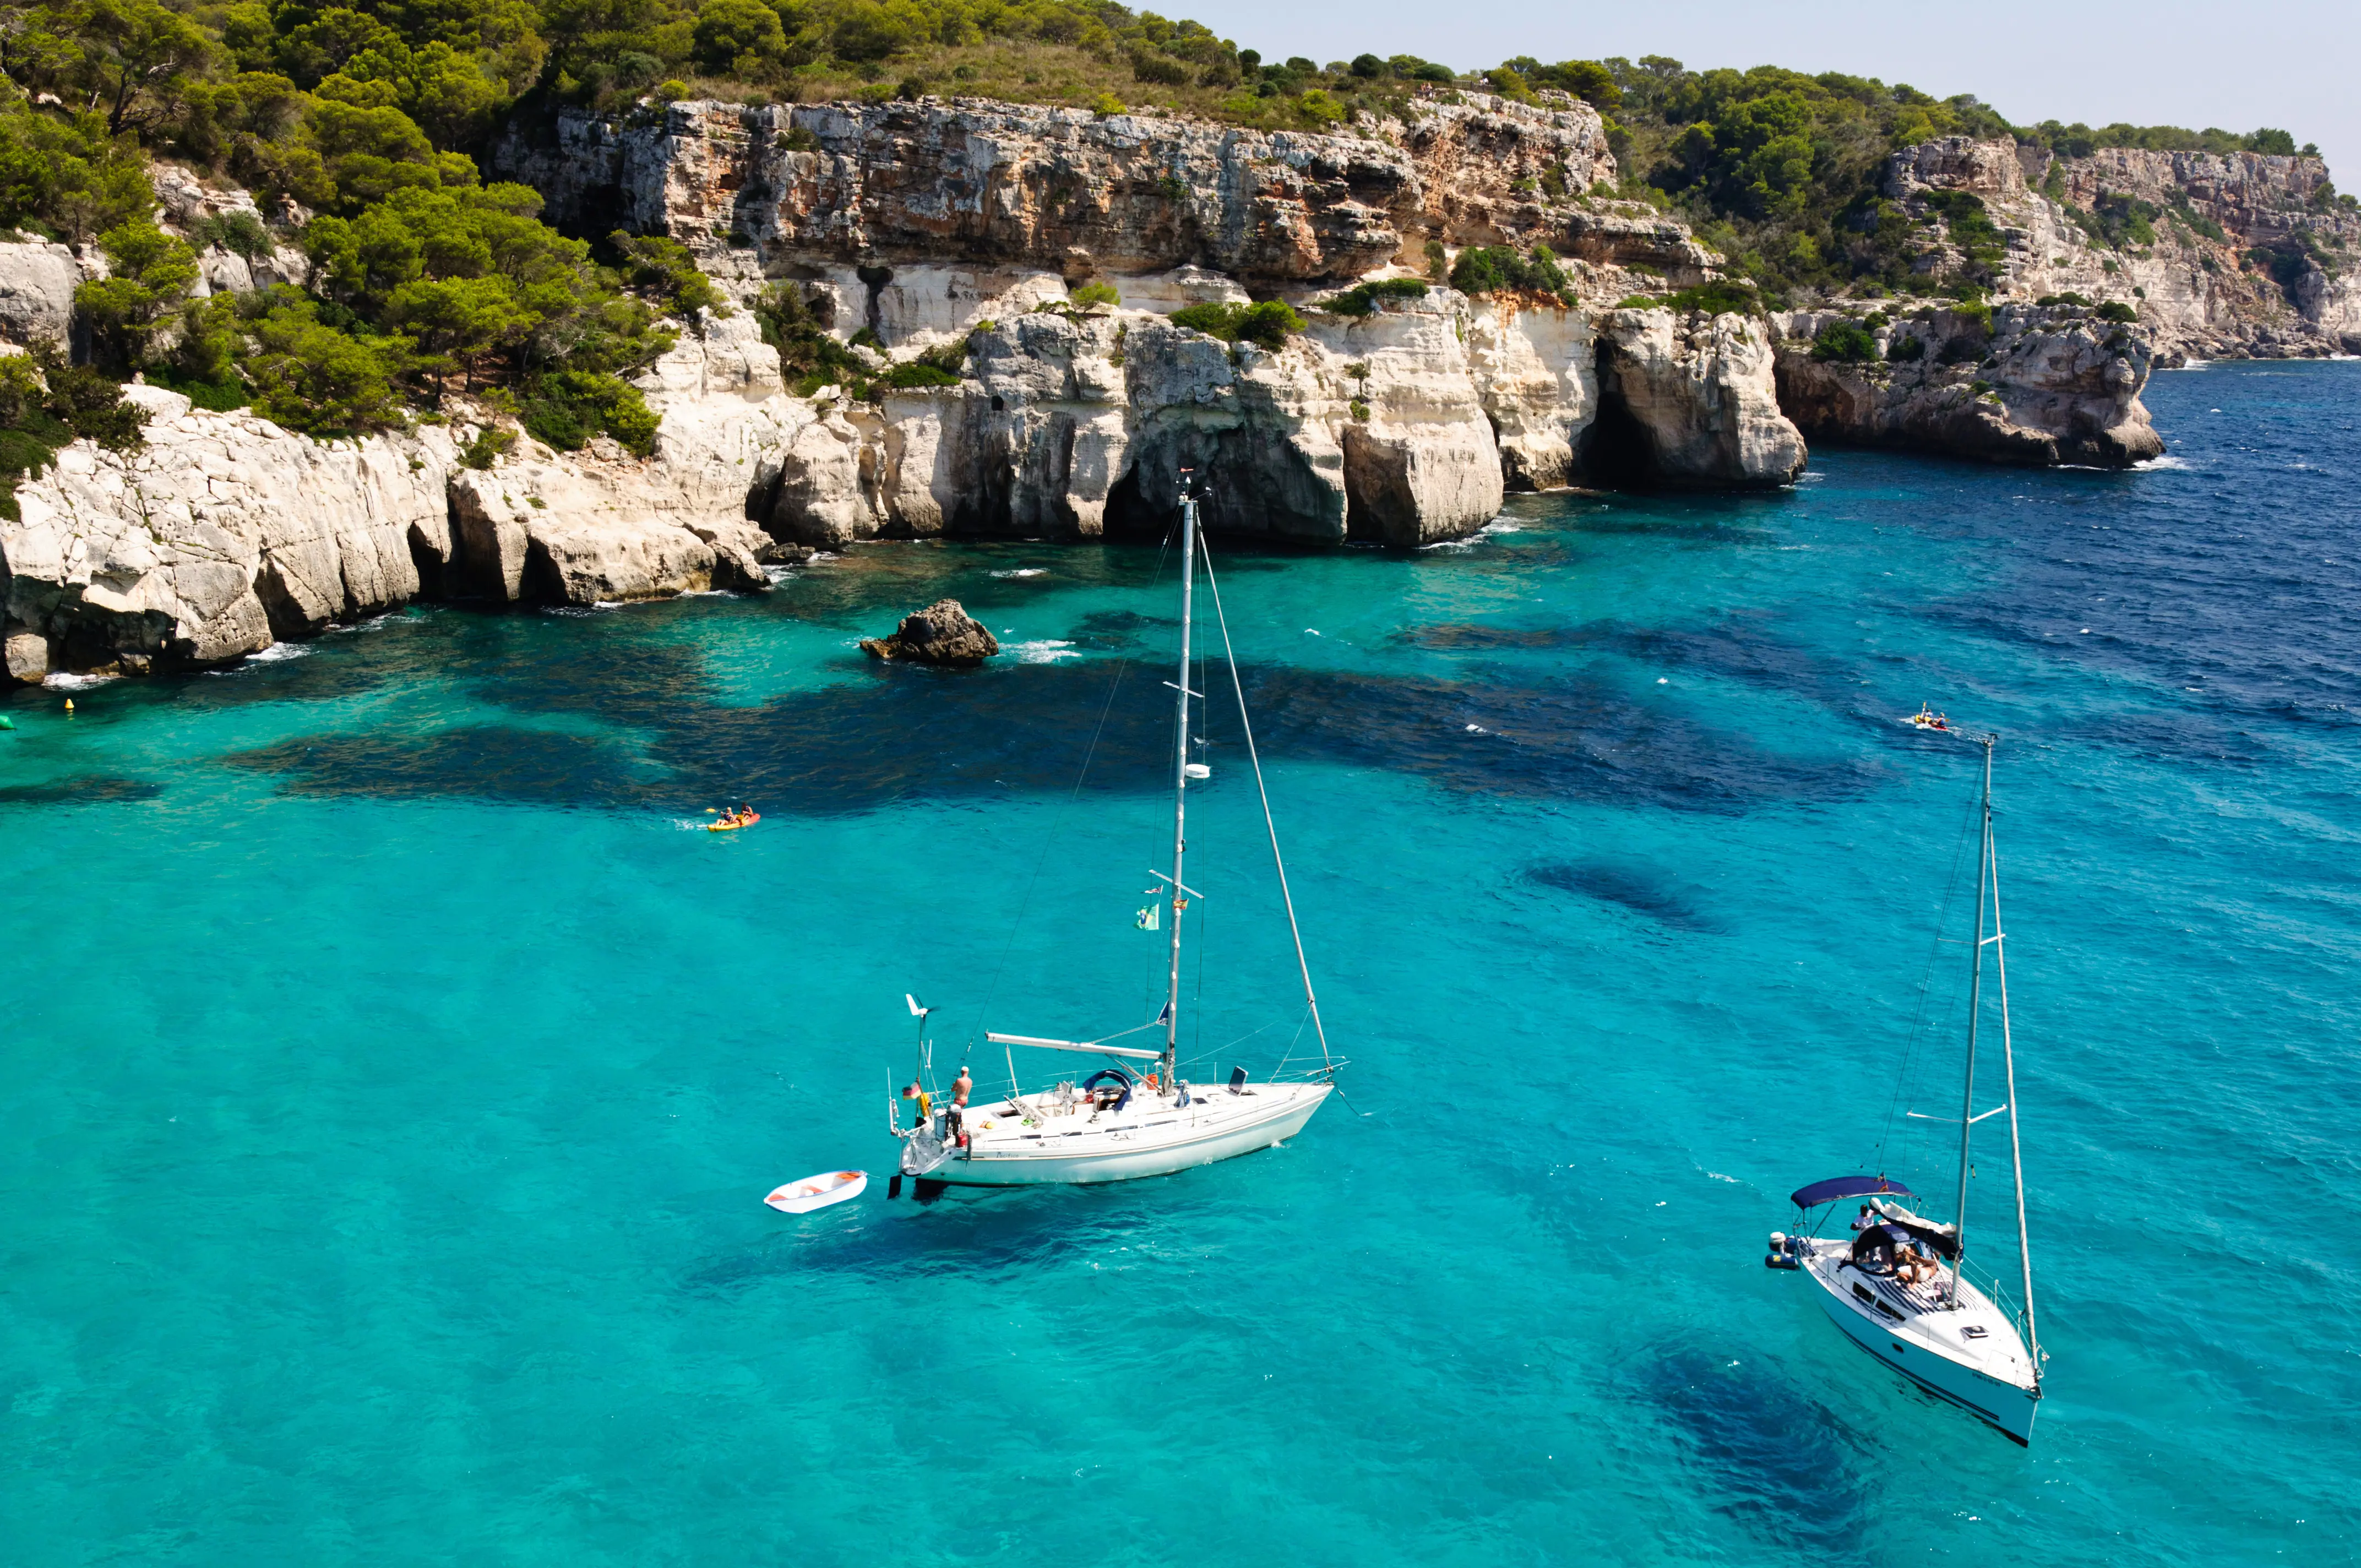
(226, 532)
(942, 633)
(935, 224)
(2029, 385)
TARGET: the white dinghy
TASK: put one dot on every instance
(1134, 1116)
(817, 1191)
(1900, 1285)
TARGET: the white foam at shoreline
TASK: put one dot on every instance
(1047, 650)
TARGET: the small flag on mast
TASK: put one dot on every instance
(1149, 919)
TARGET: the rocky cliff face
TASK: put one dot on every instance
(226, 532)
(2032, 386)
(980, 184)
(927, 224)
(2245, 254)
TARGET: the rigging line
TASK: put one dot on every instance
(2015, 1148)
(1217, 1050)
(1049, 837)
(1246, 728)
(1918, 1020)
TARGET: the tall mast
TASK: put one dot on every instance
(1975, 1011)
(1181, 770)
(2015, 1149)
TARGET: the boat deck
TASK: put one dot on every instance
(1058, 1137)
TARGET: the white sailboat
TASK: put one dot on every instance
(1900, 1288)
(1127, 1120)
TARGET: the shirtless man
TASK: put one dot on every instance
(962, 1087)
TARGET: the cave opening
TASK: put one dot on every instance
(1616, 450)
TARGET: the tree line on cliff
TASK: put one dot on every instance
(360, 129)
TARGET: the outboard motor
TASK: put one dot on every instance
(1781, 1256)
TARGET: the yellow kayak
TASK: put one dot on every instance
(731, 824)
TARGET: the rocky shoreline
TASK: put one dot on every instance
(1043, 251)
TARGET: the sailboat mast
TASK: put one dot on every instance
(2015, 1149)
(1975, 1012)
(1181, 770)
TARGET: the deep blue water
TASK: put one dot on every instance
(392, 1073)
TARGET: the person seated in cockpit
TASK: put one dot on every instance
(1872, 1250)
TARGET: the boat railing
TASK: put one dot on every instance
(1994, 1290)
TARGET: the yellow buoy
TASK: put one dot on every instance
(69, 708)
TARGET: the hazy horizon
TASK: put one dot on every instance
(2283, 63)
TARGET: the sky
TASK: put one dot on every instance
(2289, 63)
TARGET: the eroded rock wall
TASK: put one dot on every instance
(2036, 386)
(226, 532)
(974, 182)
(2251, 256)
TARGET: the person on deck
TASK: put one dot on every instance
(960, 1088)
(1861, 1221)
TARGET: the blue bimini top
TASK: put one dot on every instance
(1836, 1187)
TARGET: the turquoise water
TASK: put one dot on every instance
(394, 1072)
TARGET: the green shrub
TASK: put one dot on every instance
(915, 373)
(239, 233)
(566, 408)
(2068, 298)
(809, 357)
(1267, 325)
(313, 375)
(1360, 411)
(1363, 299)
(1091, 294)
(46, 403)
(1976, 312)
(149, 273)
(1846, 341)
(1498, 270)
(665, 268)
(2117, 311)
(1906, 346)
(491, 444)
(1723, 296)
(227, 395)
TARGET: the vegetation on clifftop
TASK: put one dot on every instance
(359, 129)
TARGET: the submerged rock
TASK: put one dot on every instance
(942, 633)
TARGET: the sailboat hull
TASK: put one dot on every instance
(1987, 1375)
(1007, 1150)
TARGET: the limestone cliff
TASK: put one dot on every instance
(933, 224)
(2221, 254)
(2028, 385)
(971, 183)
(226, 532)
